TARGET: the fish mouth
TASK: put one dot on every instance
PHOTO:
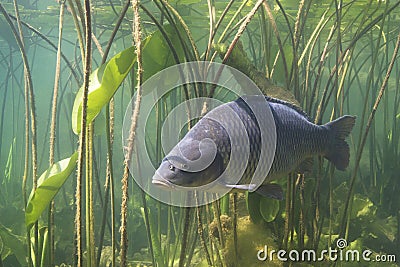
(161, 182)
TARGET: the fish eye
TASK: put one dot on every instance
(184, 166)
(171, 167)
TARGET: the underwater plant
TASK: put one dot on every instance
(70, 68)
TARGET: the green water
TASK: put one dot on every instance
(331, 58)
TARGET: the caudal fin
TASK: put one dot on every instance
(338, 152)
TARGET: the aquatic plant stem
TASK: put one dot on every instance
(29, 92)
(115, 30)
(211, 16)
(3, 105)
(241, 29)
(217, 216)
(287, 207)
(343, 225)
(77, 27)
(294, 73)
(398, 228)
(324, 99)
(82, 136)
(165, 12)
(53, 129)
(215, 29)
(224, 34)
(132, 133)
(80, 16)
(148, 227)
(278, 39)
(186, 225)
(331, 207)
(302, 215)
(109, 185)
(235, 221)
(201, 233)
(110, 138)
(173, 49)
(318, 76)
(44, 38)
(26, 166)
(193, 237)
(239, 33)
(185, 27)
(90, 244)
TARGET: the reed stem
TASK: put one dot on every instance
(132, 133)
(31, 107)
(53, 129)
(343, 225)
(82, 136)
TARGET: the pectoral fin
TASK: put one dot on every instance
(248, 187)
(271, 190)
(268, 190)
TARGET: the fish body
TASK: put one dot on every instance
(297, 140)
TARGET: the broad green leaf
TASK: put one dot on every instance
(49, 184)
(362, 206)
(12, 244)
(105, 80)
(383, 229)
(157, 53)
(253, 206)
(269, 208)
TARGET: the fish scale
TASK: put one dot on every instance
(297, 140)
(291, 126)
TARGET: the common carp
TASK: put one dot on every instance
(297, 141)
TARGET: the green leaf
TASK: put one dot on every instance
(362, 207)
(12, 244)
(384, 229)
(157, 54)
(253, 206)
(105, 80)
(49, 184)
(269, 208)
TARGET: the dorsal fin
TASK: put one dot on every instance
(282, 102)
(290, 105)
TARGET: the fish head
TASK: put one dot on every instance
(194, 163)
(171, 173)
